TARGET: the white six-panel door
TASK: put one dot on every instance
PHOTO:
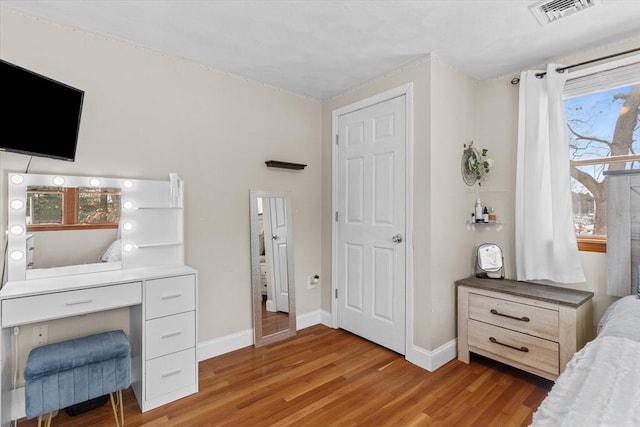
(278, 222)
(371, 241)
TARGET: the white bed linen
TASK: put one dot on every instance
(599, 387)
(601, 383)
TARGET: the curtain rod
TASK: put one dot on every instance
(516, 80)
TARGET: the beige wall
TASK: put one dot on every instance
(147, 114)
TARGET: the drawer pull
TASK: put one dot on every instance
(171, 334)
(522, 319)
(80, 301)
(522, 349)
(171, 296)
(168, 374)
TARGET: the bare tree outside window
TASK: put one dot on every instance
(601, 127)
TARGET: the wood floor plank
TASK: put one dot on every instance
(329, 377)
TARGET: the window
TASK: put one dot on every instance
(602, 126)
(67, 208)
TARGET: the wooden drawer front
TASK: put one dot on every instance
(170, 373)
(170, 334)
(540, 322)
(541, 354)
(37, 308)
(170, 296)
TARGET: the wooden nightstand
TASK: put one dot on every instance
(536, 328)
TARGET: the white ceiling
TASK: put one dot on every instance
(321, 48)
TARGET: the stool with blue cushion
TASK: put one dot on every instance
(66, 373)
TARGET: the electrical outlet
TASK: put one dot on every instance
(40, 335)
(312, 281)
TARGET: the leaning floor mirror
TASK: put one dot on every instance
(272, 278)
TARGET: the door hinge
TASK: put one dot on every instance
(336, 293)
(337, 139)
(336, 216)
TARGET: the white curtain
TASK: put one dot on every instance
(546, 246)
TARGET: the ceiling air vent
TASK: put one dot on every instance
(548, 11)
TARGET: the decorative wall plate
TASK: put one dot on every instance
(469, 165)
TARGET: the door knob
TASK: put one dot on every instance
(274, 237)
(397, 238)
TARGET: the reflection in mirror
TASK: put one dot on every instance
(272, 267)
(83, 220)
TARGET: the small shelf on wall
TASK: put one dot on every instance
(284, 165)
(157, 245)
(485, 223)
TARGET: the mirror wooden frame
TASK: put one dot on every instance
(259, 338)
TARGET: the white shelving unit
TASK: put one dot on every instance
(156, 220)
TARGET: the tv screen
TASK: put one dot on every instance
(41, 116)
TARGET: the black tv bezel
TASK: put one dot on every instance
(80, 107)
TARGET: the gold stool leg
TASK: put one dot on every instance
(117, 406)
(47, 423)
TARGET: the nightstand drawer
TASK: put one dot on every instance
(528, 319)
(513, 346)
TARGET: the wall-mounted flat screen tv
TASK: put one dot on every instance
(41, 116)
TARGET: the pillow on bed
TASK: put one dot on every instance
(113, 252)
(621, 319)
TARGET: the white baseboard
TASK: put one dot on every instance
(227, 343)
(313, 318)
(432, 360)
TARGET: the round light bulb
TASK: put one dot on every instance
(127, 226)
(127, 184)
(17, 204)
(16, 255)
(127, 205)
(94, 182)
(17, 179)
(16, 229)
(127, 247)
(58, 180)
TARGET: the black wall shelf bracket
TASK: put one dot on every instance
(284, 165)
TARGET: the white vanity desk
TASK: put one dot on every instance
(163, 336)
(149, 277)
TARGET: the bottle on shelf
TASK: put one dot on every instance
(478, 211)
(485, 215)
(473, 217)
(492, 215)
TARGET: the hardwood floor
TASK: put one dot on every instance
(327, 377)
(273, 322)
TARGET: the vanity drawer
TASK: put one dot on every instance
(37, 308)
(541, 322)
(170, 373)
(171, 295)
(540, 354)
(170, 334)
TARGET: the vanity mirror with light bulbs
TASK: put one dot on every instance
(137, 223)
(272, 272)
